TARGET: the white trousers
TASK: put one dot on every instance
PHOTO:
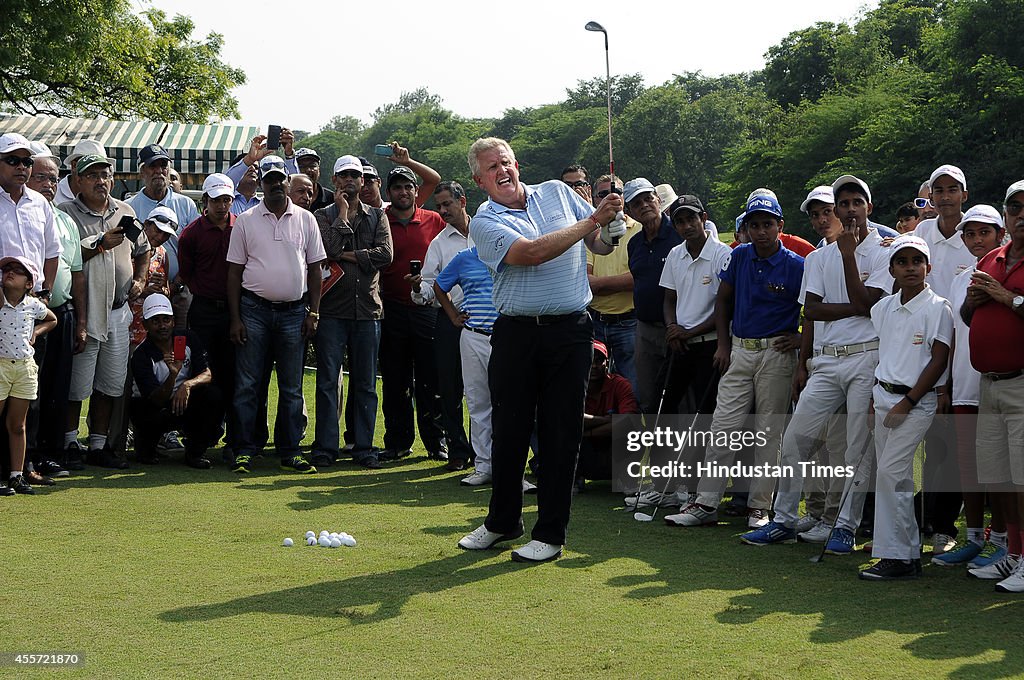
(476, 352)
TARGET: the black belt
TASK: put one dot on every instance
(478, 330)
(213, 302)
(545, 319)
(892, 388)
(277, 306)
(1004, 376)
(612, 319)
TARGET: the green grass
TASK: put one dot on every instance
(171, 572)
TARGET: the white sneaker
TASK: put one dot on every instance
(529, 487)
(481, 538)
(476, 479)
(997, 570)
(806, 523)
(648, 498)
(819, 533)
(537, 551)
(942, 543)
(757, 518)
(1014, 583)
(693, 515)
(682, 497)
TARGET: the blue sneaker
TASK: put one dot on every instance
(841, 542)
(990, 554)
(773, 532)
(960, 555)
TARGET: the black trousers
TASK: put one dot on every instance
(542, 371)
(408, 371)
(449, 373)
(209, 319)
(941, 471)
(693, 381)
(200, 423)
(48, 414)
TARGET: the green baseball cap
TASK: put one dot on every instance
(89, 160)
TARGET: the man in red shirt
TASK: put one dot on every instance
(407, 366)
(607, 394)
(994, 309)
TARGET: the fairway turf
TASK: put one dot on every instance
(170, 572)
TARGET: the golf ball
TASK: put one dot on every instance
(348, 541)
(311, 540)
(333, 535)
(325, 533)
(288, 542)
(310, 534)
(335, 542)
(325, 541)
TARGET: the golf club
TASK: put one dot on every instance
(644, 517)
(846, 492)
(661, 402)
(598, 28)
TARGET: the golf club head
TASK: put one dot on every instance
(594, 26)
(642, 517)
(817, 558)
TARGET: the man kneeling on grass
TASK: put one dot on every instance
(172, 389)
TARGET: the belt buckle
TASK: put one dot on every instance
(751, 344)
(841, 350)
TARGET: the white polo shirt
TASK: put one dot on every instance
(17, 324)
(966, 380)
(819, 326)
(906, 334)
(950, 256)
(441, 250)
(828, 280)
(695, 282)
(28, 228)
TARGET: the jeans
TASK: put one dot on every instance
(276, 334)
(620, 338)
(362, 338)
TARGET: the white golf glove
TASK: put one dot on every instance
(614, 230)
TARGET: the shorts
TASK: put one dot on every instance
(19, 378)
(103, 366)
(1000, 439)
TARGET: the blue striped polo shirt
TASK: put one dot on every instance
(469, 273)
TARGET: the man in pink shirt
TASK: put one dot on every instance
(274, 280)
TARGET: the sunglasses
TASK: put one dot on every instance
(605, 192)
(15, 161)
(354, 174)
(577, 184)
(922, 203)
(162, 220)
(272, 165)
(1013, 209)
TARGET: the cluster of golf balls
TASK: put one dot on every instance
(326, 539)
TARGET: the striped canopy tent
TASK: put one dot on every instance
(205, 149)
(121, 139)
(44, 129)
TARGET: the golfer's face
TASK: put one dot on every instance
(499, 174)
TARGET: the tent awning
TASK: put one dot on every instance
(205, 149)
(35, 128)
(121, 139)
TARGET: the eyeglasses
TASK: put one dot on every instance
(922, 203)
(605, 192)
(93, 176)
(1013, 209)
(44, 179)
(15, 161)
(577, 184)
(354, 174)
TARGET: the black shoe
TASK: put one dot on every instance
(198, 461)
(297, 464)
(456, 464)
(20, 485)
(147, 457)
(369, 462)
(33, 477)
(891, 570)
(52, 468)
(107, 459)
(6, 490)
(388, 455)
(321, 460)
(441, 455)
(74, 457)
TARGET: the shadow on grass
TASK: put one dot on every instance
(950, 616)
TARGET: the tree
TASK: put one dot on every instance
(593, 93)
(801, 66)
(94, 57)
(407, 103)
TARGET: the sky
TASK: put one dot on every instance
(348, 58)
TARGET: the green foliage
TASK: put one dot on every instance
(593, 93)
(94, 57)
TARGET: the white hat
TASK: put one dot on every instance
(12, 141)
(982, 213)
(165, 219)
(29, 265)
(156, 304)
(635, 187)
(85, 147)
(1014, 188)
(305, 151)
(272, 164)
(850, 179)
(821, 193)
(909, 241)
(760, 192)
(666, 193)
(40, 150)
(348, 163)
(951, 170)
(217, 185)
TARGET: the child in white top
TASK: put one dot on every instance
(915, 328)
(20, 317)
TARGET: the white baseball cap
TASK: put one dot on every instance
(348, 162)
(12, 141)
(821, 193)
(40, 150)
(218, 184)
(156, 304)
(951, 170)
(909, 241)
(1014, 188)
(165, 219)
(760, 192)
(850, 179)
(635, 187)
(981, 213)
(85, 147)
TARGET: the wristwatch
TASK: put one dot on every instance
(1017, 302)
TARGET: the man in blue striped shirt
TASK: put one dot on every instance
(532, 238)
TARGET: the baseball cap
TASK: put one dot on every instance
(951, 170)
(41, 150)
(1014, 188)
(89, 160)
(156, 304)
(271, 164)
(850, 179)
(601, 347)
(348, 163)
(761, 192)
(400, 172)
(304, 152)
(909, 241)
(152, 152)
(217, 185)
(981, 213)
(821, 193)
(12, 141)
(165, 219)
(763, 203)
(635, 187)
(687, 202)
(85, 147)
(739, 221)
(29, 265)
(666, 194)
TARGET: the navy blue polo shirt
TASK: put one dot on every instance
(646, 260)
(766, 291)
